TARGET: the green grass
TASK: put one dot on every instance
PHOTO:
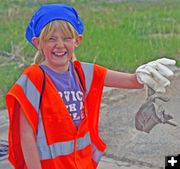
(120, 36)
(8, 75)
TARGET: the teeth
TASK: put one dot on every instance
(59, 54)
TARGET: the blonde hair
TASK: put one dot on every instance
(66, 29)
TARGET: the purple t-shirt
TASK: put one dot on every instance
(69, 89)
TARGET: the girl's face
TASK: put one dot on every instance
(58, 49)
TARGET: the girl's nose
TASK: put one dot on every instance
(60, 42)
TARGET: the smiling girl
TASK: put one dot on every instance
(54, 105)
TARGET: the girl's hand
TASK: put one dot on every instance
(156, 74)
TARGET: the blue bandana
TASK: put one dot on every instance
(51, 12)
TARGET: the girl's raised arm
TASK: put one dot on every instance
(155, 74)
(121, 80)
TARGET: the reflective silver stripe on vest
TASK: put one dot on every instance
(88, 70)
(54, 150)
(83, 142)
(30, 91)
(58, 149)
(96, 154)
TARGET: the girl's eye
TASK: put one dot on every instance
(67, 38)
(52, 39)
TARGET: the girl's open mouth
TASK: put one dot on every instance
(59, 54)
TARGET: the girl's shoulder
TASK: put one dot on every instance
(33, 69)
(33, 72)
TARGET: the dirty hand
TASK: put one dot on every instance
(156, 74)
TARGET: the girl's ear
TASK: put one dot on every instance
(35, 41)
(78, 40)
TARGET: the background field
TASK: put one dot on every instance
(120, 36)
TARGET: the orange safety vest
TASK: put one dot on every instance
(60, 144)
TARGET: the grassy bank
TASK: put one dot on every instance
(120, 36)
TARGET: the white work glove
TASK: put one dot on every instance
(156, 74)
